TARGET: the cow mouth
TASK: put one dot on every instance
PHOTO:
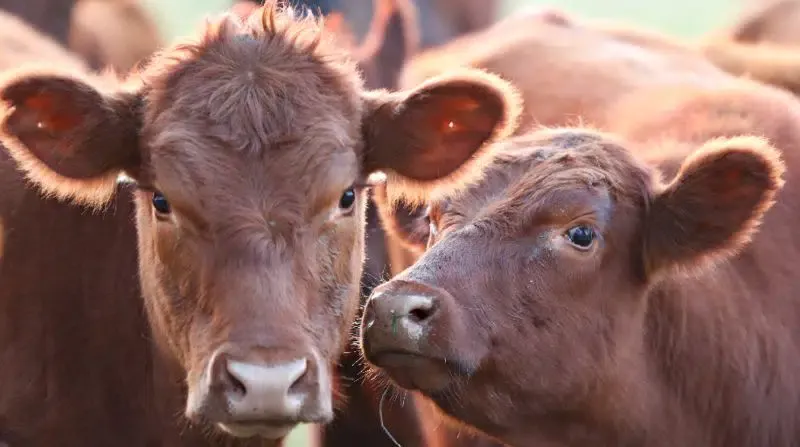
(260, 429)
(415, 371)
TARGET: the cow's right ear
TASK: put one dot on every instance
(71, 139)
(406, 223)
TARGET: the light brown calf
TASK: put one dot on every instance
(249, 148)
(599, 288)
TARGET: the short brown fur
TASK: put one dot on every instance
(675, 328)
(251, 134)
(761, 44)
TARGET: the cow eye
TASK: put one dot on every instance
(160, 203)
(581, 236)
(348, 200)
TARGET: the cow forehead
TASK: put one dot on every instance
(254, 128)
(296, 181)
(533, 167)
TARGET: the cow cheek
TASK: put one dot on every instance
(340, 257)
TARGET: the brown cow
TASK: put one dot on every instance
(762, 44)
(549, 56)
(249, 149)
(116, 33)
(571, 297)
(565, 51)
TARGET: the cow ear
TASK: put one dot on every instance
(406, 223)
(714, 205)
(438, 131)
(71, 139)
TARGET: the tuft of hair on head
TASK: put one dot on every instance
(714, 205)
(415, 193)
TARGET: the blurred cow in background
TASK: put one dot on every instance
(763, 44)
(113, 33)
(116, 33)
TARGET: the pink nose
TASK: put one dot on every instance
(249, 398)
(256, 391)
(399, 316)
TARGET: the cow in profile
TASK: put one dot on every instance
(626, 285)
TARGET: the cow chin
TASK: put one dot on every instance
(425, 373)
(268, 432)
(414, 372)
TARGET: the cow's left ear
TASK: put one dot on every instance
(714, 204)
(440, 129)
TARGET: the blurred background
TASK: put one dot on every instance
(687, 18)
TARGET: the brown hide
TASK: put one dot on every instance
(762, 44)
(96, 137)
(410, 422)
(628, 350)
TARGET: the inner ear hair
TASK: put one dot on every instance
(511, 101)
(715, 203)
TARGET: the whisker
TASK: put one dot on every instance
(380, 417)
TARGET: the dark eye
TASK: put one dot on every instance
(160, 203)
(347, 200)
(581, 236)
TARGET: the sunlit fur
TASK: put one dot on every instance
(675, 327)
(252, 132)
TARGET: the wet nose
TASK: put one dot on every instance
(256, 391)
(399, 317)
(249, 397)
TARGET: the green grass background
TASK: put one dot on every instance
(686, 18)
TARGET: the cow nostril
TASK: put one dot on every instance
(234, 386)
(297, 387)
(420, 314)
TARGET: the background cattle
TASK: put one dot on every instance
(116, 33)
(762, 44)
(548, 55)
(113, 33)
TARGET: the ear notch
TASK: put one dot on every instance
(438, 131)
(406, 223)
(70, 139)
(715, 203)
